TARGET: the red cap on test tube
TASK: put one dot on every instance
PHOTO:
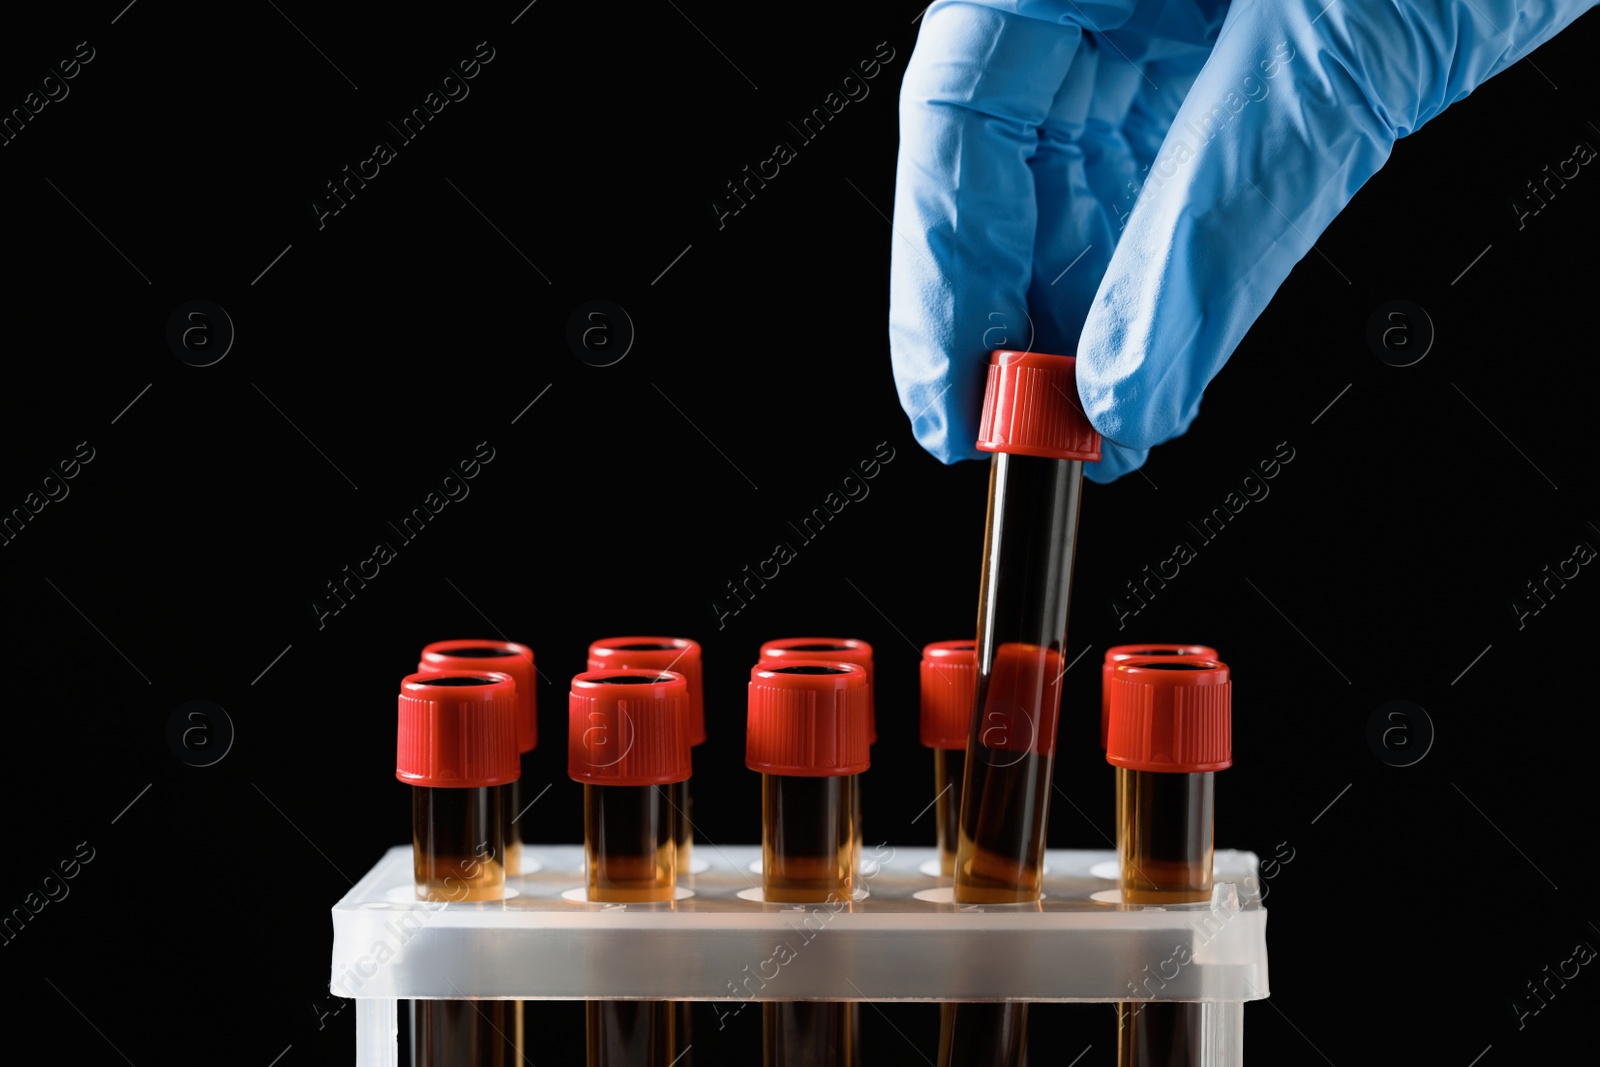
(828, 650)
(807, 720)
(507, 656)
(1171, 714)
(626, 727)
(949, 675)
(458, 730)
(1031, 408)
(1117, 653)
(678, 654)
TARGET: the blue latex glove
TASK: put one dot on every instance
(1133, 179)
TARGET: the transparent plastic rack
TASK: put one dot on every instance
(901, 939)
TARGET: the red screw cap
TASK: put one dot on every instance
(1117, 653)
(507, 656)
(828, 650)
(949, 676)
(626, 727)
(458, 730)
(1172, 714)
(808, 720)
(1023, 700)
(658, 654)
(1030, 408)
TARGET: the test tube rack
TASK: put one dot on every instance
(904, 939)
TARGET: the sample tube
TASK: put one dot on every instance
(517, 661)
(834, 650)
(1118, 653)
(626, 739)
(681, 655)
(807, 736)
(1170, 732)
(1040, 438)
(947, 684)
(983, 1035)
(457, 746)
(678, 654)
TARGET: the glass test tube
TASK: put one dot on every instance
(683, 656)
(948, 677)
(457, 748)
(1170, 730)
(807, 736)
(1040, 438)
(1117, 653)
(626, 741)
(517, 661)
(984, 1034)
(844, 650)
(834, 650)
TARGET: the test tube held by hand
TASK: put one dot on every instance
(1040, 440)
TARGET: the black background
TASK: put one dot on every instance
(379, 350)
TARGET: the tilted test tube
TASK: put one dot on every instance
(1040, 439)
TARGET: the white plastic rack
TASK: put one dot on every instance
(903, 939)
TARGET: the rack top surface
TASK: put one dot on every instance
(903, 938)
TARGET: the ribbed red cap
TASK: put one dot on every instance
(1117, 653)
(1030, 408)
(458, 730)
(808, 720)
(1171, 713)
(1023, 699)
(626, 727)
(828, 650)
(949, 676)
(508, 656)
(658, 654)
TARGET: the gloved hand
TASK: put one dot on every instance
(1133, 179)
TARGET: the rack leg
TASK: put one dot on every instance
(377, 1033)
